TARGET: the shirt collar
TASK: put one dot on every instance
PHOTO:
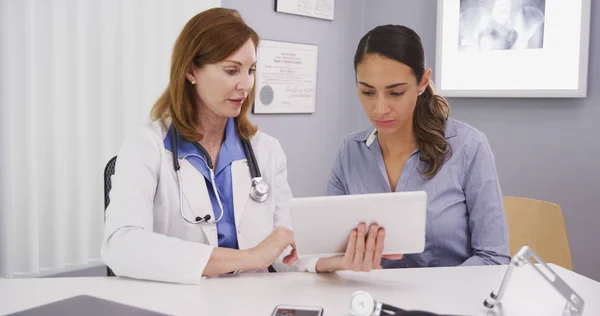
(370, 135)
(184, 147)
(231, 149)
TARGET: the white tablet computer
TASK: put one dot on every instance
(322, 225)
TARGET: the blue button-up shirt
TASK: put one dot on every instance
(466, 223)
(231, 150)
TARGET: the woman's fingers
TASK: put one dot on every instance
(379, 246)
(359, 251)
(350, 248)
(367, 264)
(365, 249)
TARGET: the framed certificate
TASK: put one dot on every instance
(512, 48)
(286, 77)
(320, 9)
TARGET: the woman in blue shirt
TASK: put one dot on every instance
(414, 145)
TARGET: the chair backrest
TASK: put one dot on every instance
(109, 170)
(539, 225)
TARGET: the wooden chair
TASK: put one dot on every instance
(539, 225)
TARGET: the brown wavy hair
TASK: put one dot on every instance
(207, 38)
(431, 111)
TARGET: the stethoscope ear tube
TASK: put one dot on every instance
(259, 190)
(205, 154)
(252, 164)
(174, 150)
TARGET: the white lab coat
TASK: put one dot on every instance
(145, 236)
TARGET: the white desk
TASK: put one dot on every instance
(457, 290)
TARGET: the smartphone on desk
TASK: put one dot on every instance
(294, 310)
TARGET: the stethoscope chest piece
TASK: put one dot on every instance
(259, 190)
(362, 304)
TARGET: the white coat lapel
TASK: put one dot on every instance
(240, 182)
(196, 195)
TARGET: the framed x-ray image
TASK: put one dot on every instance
(512, 48)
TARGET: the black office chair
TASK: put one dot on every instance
(109, 170)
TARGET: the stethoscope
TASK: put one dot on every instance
(258, 192)
(363, 304)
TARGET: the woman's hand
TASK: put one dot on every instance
(225, 260)
(265, 253)
(363, 251)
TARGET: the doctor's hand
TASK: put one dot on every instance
(265, 253)
(363, 251)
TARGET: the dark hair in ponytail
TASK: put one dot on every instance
(431, 111)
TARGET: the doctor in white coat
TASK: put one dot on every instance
(199, 191)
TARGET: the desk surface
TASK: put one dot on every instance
(454, 290)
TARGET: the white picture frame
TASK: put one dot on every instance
(286, 77)
(550, 62)
(319, 9)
